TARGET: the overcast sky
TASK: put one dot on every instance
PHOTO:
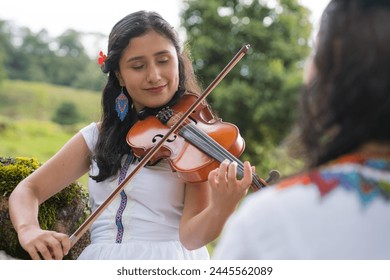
(82, 15)
(97, 16)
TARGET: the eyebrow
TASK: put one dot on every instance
(142, 57)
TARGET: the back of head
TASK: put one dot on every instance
(347, 103)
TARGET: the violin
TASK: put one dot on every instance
(196, 147)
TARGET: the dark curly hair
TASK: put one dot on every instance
(347, 103)
(111, 144)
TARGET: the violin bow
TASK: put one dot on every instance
(95, 214)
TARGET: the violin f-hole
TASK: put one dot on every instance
(159, 136)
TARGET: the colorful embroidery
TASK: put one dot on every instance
(368, 178)
(118, 218)
(122, 206)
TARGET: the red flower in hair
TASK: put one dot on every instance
(102, 58)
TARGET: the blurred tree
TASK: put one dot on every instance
(71, 58)
(259, 94)
(2, 71)
(67, 114)
(38, 57)
(5, 37)
(5, 48)
(31, 55)
(91, 78)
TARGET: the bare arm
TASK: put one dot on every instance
(208, 205)
(66, 166)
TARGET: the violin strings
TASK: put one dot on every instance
(223, 153)
(204, 142)
(212, 148)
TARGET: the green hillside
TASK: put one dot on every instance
(26, 110)
(31, 138)
(34, 100)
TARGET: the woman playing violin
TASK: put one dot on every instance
(157, 215)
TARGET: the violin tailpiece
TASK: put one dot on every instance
(165, 114)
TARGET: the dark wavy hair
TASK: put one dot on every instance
(347, 103)
(111, 143)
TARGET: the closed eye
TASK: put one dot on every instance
(138, 66)
(163, 59)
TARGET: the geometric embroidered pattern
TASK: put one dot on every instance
(367, 178)
(122, 205)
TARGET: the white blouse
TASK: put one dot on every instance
(143, 221)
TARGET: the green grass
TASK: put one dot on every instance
(26, 110)
(31, 138)
(33, 100)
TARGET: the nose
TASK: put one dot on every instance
(153, 74)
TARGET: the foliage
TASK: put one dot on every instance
(38, 57)
(2, 71)
(4, 48)
(12, 171)
(260, 92)
(66, 114)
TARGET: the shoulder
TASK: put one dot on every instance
(90, 134)
(276, 204)
(264, 219)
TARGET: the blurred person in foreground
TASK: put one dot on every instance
(339, 207)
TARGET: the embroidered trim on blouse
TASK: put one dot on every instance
(122, 205)
(369, 178)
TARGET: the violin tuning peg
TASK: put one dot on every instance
(274, 177)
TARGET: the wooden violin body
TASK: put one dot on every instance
(181, 148)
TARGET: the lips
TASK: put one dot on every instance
(157, 89)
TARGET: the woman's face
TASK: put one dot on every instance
(149, 69)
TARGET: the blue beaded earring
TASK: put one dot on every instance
(122, 105)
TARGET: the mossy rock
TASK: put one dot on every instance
(64, 212)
